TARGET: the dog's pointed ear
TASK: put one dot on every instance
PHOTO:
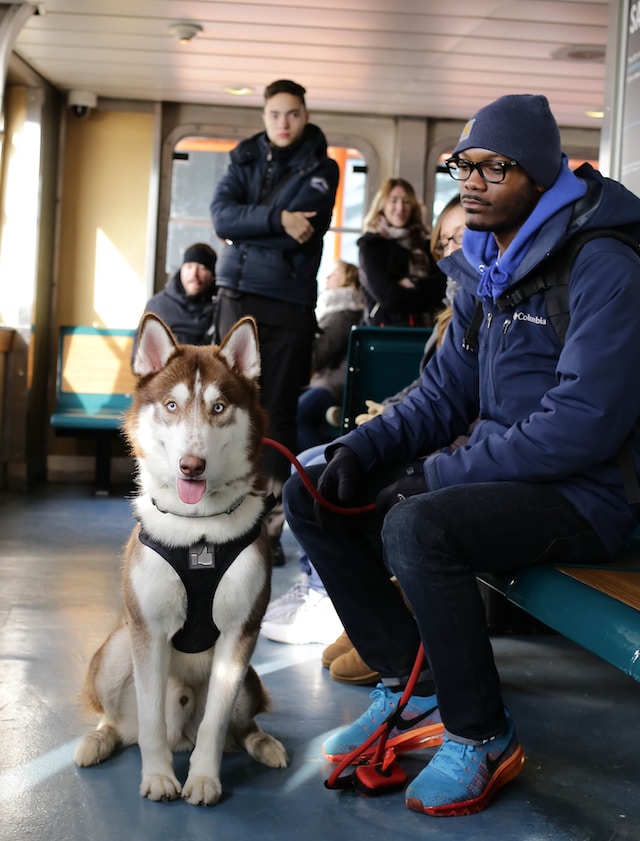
(240, 348)
(156, 345)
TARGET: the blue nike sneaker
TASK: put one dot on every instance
(418, 726)
(463, 779)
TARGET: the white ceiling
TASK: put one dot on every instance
(383, 57)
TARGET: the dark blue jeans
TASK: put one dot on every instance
(285, 337)
(434, 544)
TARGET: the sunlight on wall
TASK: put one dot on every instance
(19, 227)
(116, 282)
(104, 213)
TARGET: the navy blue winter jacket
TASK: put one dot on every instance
(547, 412)
(260, 182)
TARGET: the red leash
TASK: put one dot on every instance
(382, 773)
(337, 509)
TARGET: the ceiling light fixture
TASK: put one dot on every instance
(580, 52)
(184, 31)
(239, 90)
(594, 114)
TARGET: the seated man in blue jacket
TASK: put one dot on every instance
(538, 481)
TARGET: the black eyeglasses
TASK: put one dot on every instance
(491, 172)
(441, 245)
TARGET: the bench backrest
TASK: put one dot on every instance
(380, 362)
(94, 368)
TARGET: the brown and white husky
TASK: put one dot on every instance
(175, 676)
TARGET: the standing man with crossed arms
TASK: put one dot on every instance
(273, 206)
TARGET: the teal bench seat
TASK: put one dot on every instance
(596, 607)
(94, 388)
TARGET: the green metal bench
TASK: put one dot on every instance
(94, 387)
(596, 607)
(380, 362)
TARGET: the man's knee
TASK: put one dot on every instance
(403, 515)
(411, 534)
(290, 493)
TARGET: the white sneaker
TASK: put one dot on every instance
(314, 620)
(294, 597)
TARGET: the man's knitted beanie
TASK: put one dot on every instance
(201, 253)
(520, 127)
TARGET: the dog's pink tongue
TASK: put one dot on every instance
(191, 490)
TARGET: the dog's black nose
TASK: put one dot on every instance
(192, 466)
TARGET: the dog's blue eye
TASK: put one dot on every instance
(217, 408)
(172, 406)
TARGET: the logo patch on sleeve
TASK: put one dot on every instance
(320, 184)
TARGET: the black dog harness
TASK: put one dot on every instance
(200, 568)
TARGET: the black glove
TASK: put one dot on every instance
(341, 477)
(410, 482)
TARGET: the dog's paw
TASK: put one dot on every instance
(266, 749)
(96, 746)
(160, 787)
(202, 791)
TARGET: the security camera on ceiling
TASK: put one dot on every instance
(81, 102)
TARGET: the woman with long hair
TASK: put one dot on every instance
(399, 280)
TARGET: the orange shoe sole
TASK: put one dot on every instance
(429, 736)
(506, 772)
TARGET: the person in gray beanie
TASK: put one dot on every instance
(538, 480)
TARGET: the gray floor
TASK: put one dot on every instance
(59, 557)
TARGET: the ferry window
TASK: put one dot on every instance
(446, 188)
(198, 164)
(348, 212)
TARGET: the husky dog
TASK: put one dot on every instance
(175, 676)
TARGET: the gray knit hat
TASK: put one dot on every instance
(520, 127)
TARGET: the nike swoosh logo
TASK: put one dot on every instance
(407, 723)
(494, 761)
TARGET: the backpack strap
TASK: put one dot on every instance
(552, 277)
(470, 338)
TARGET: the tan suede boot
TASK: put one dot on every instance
(351, 668)
(336, 649)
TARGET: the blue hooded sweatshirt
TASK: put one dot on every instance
(547, 412)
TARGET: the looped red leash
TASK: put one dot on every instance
(382, 773)
(337, 509)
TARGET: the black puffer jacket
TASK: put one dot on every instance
(383, 262)
(260, 182)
